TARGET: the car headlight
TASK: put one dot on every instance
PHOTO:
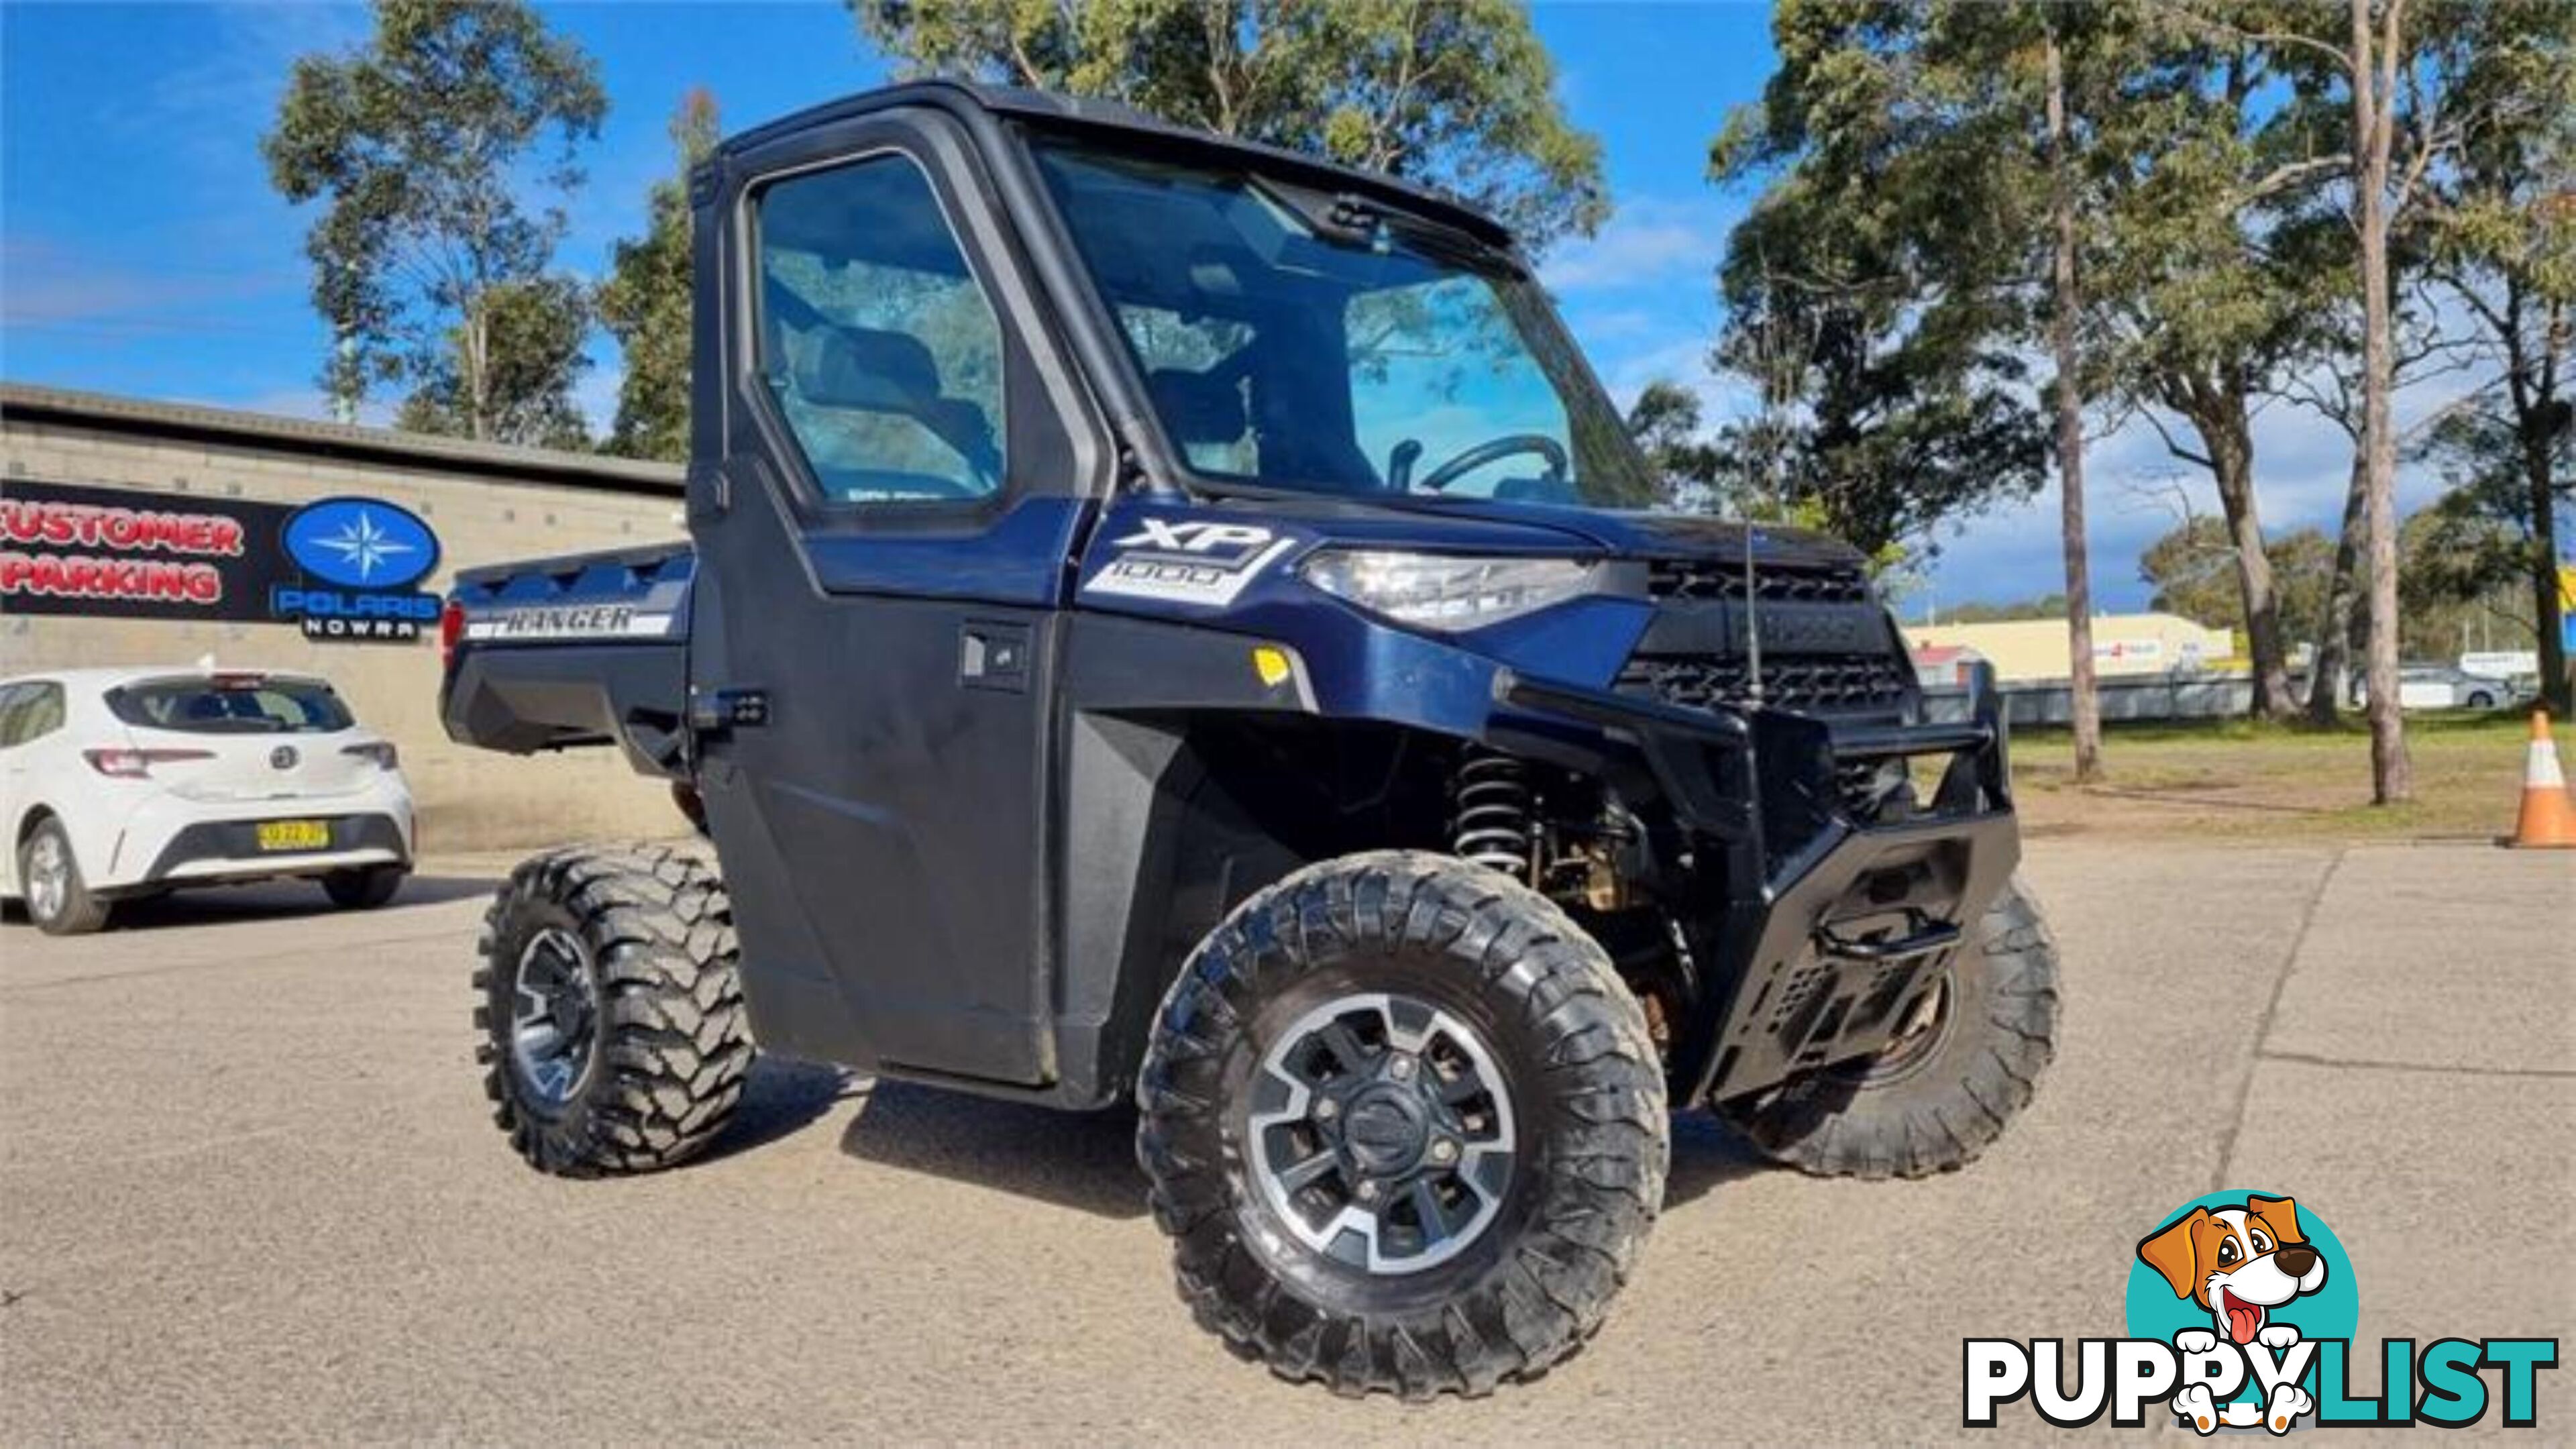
(1439, 591)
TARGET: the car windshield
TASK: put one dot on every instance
(1309, 342)
(225, 706)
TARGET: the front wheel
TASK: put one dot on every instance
(1959, 1071)
(1405, 1126)
(614, 1037)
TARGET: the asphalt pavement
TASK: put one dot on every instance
(249, 1191)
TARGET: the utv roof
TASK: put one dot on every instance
(1132, 129)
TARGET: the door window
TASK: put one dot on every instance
(876, 339)
(30, 712)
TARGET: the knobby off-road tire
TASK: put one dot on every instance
(634, 945)
(1496, 971)
(1932, 1103)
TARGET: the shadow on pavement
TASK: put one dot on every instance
(1081, 1160)
(1707, 1155)
(276, 900)
(780, 1099)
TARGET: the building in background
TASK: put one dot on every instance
(150, 533)
(2027, 651)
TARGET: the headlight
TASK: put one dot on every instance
(1436, 591)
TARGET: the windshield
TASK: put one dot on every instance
(1298, 341)
(223, 706)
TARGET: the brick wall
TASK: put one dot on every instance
(469, 799)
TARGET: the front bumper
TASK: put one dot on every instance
(1815, 936)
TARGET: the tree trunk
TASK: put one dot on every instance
(478, 372)
(2555, 687)
(2230, 436)
(2332, 675)
(2373, 94)
(2086, 706)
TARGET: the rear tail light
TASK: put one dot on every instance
(137, 764)
(451, 627)
(380, 751)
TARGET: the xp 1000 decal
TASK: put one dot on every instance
(2243, 1312)
(1190, 561)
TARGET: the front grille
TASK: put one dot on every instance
(1811, 683)
(1690, 579)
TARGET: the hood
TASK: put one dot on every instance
(1413, 521)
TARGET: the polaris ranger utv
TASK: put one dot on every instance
(1171, 619)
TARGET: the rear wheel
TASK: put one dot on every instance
(364, 888)
(614, 1038)
(58, 901)
(1405, 1127)
(1961, 1069)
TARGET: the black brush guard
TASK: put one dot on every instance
(1816, 936)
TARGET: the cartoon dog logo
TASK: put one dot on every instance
(2240, 1264)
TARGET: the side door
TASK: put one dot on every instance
(901, 464)
(13, 770)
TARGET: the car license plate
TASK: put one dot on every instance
(294, 834)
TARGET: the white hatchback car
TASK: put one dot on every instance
(116, 783)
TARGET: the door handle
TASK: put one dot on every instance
(993, 655)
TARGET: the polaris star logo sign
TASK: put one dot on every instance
(360, 561)
(1188, 561)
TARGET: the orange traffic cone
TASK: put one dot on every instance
(2548, 821)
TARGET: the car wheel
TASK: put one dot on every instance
(365, 887)
(614, 1035)
(1405, 1127)
(2481, 700)
(1936, 1098)
(58, 901)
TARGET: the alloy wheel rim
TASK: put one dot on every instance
(554, 1016)
(1381, 1134)
(48, 877)
(1920, 1039)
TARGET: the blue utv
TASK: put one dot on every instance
(1170, 620)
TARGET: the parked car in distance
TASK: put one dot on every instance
(120, 783)
(2439, 686)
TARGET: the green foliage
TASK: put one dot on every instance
(2463, 580)
(2194, 566)
(645, 302)
(2047, 606)
(425, 261)
(1665, 423)
(1455, 93)
(1880, 288)
(532, 331)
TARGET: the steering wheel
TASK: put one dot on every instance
(1502, 447)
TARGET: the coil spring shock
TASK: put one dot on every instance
(1493, 826)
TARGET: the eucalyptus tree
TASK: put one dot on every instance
(645, 301)
(1456, 93)
(431, 267)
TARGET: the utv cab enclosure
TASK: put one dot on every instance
(1171, 619)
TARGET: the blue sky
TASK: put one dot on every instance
(143, 252)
